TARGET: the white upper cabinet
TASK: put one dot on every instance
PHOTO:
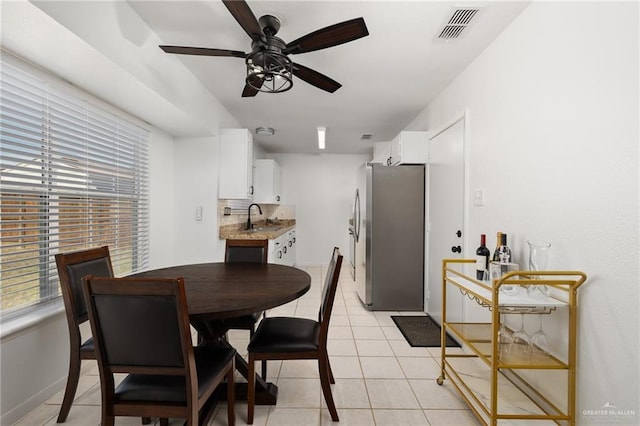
(408, 148)
(268, 182)
(236, 164)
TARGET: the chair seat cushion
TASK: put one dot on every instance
(139, 387)
(245, 322)
(88, 346)
(285, 334)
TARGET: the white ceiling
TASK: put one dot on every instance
(388, 77)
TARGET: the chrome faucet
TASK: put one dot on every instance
(249, 214)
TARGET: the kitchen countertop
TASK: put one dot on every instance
(261, 230)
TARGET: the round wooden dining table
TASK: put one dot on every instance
(222, 291)
(217, 291)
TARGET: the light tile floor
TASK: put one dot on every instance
(380, 379)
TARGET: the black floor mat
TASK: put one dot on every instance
(421, 331)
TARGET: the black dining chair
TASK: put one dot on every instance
(141, 329)
(283, 338)
(71, 268)
(251, 251)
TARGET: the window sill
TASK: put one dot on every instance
(29, 319)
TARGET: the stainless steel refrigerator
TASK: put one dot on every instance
(387, 237)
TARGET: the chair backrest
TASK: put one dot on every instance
(140, 326)
(329, 292)
(252, 251)
(71, 268)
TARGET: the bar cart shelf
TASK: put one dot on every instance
(509, 388)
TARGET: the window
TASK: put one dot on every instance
(72, 176)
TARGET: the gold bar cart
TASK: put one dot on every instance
(507, 387)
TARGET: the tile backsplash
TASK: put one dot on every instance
(238, 210)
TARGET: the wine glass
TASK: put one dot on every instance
(521, 345)
(539, 342)
(538, 258)
(504, 341)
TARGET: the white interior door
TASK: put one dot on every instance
(445, 215)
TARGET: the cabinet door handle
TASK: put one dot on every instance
(277, 198)
(456, 249)
(251, 190)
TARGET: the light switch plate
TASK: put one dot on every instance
(199, 213)
(478, 197)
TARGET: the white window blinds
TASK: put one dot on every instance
(73, 176)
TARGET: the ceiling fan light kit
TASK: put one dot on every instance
(269, 72)
(269, 68)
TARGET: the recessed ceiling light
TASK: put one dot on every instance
(265, 131)
(321, 134)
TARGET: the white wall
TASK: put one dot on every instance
(196, 183)
(553, 140)
(322, 188)
(161, 199)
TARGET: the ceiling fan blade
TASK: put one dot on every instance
(203, 51)
(333, 35)
(249, 91)
(314, 78)
(245, 17)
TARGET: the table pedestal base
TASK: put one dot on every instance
(214, 334)
(264, 396)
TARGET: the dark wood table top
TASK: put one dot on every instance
(226, 290)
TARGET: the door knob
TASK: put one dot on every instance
(456, 249)
(459, 233)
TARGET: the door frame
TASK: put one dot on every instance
(464, 116)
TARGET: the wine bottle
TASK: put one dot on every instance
(482, 257)
(504, 252)
(496, 254)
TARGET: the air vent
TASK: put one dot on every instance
(457, 23)
(366, 136)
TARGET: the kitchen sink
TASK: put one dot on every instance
(266, 228)
(272, 228)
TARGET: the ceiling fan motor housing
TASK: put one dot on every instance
(270, 24)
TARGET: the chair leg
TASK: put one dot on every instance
(323, 366)
(72, 384)
(264, 362)
(231, 396)
(251, 388)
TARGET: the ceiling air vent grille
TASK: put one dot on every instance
(366, 136)
(459, 20)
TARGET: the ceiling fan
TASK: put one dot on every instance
(269, 68)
